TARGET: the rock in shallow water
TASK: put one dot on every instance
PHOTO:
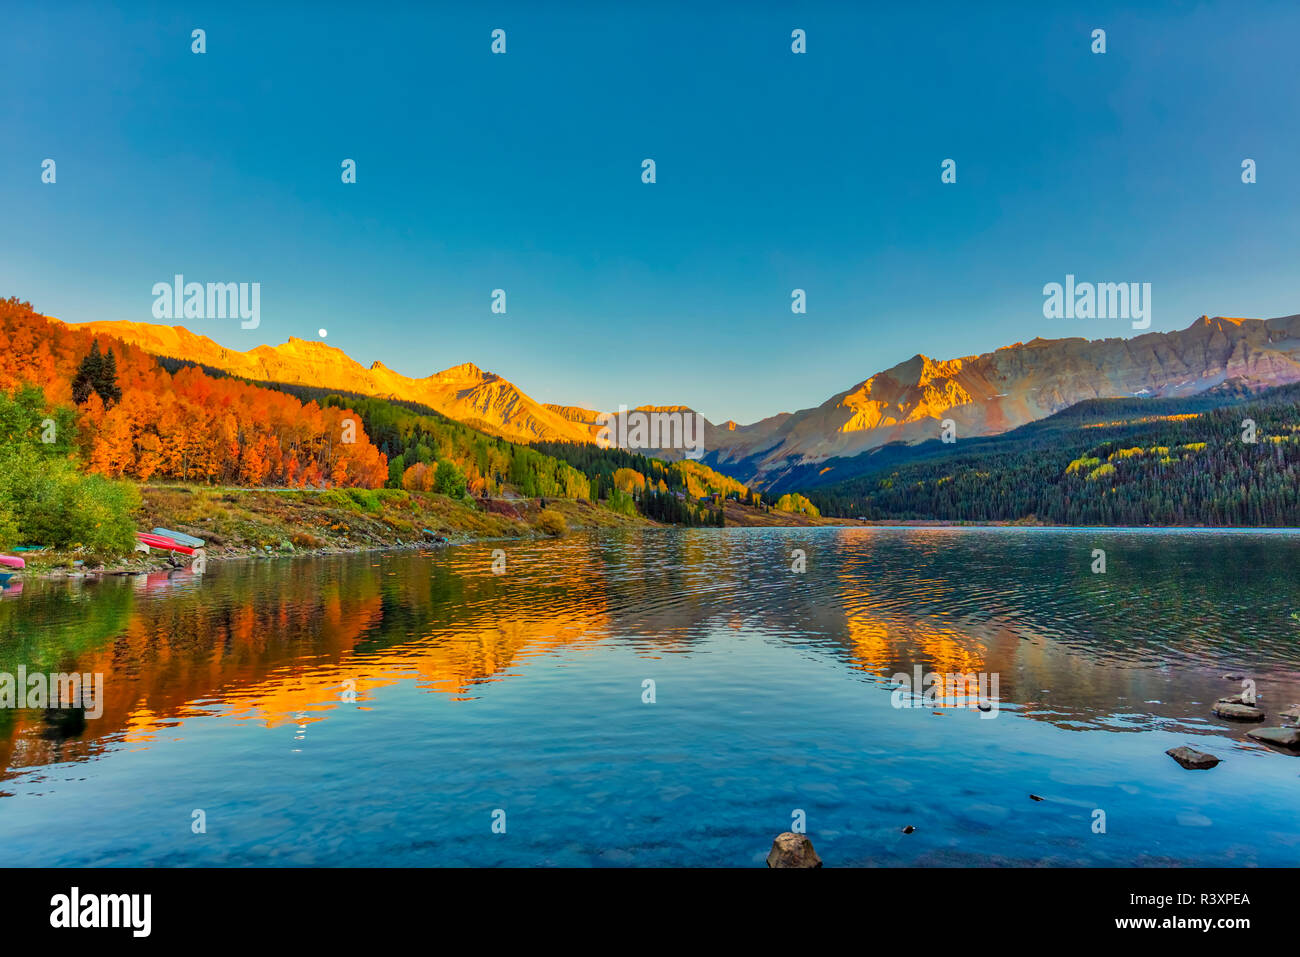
(1192, 759)
(1237, 712)
(792, 850)
(1288, 738)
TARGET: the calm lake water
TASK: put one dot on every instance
(230, 693)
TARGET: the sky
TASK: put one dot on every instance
(522, 171)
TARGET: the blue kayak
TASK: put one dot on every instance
(180, 538)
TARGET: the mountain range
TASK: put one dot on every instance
(982, 394)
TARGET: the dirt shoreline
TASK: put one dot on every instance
(244, 524)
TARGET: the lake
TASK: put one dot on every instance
(664, 697)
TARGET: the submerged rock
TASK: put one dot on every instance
(1192, 759)
(1237, 712)
(1290, 714)
(792, 850)
(1288, 738)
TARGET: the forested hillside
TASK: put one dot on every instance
(427, 451)
(122, 413)
(135, 419)
(665, 491)
(1102, 462)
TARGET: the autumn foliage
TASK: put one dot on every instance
(187, 426)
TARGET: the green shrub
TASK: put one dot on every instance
(793, 502)
(449, 480)
(46, 501)
(367, 499)
(621, 502)
(337, 498)
(9, 529)
(98, 514)
(552, 522)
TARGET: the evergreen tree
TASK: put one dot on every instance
(89, 374)
(97, 373)
(106, 383)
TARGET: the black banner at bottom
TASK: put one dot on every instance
(337, 906)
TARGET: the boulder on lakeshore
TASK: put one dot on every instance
(793, 850)
(1287, 738)
(1192, 759)
(1237, 712)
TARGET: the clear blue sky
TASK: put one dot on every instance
(775, 171)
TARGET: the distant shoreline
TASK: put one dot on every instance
(449, 524)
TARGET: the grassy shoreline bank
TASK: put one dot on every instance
(240, 523)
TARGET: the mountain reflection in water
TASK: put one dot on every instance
(735, 640)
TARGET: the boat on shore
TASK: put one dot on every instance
(180, 537)
(163, 543)
(12, 561)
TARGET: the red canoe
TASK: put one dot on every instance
(164, 544)
(10, 561)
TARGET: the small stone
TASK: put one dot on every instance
(1233, 677)
(1192, 759)
(1035, 797)
(1237, 712)
(1288, 738)
(792, 850)
(909, 829)
(1291, 714)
